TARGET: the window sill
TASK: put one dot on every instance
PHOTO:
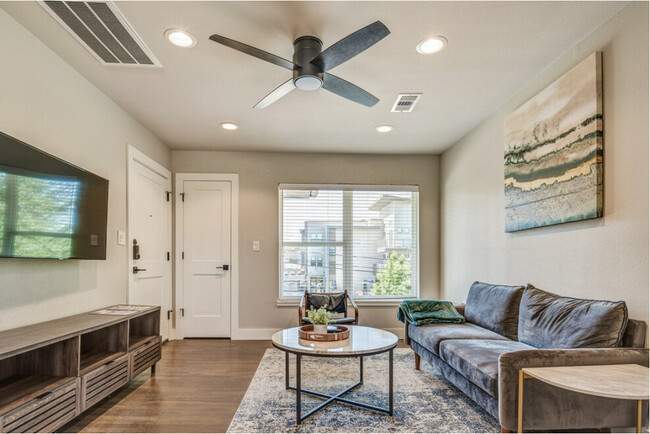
(378, 302)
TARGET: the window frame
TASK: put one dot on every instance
(289, 300)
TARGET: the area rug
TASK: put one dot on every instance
(423, 401)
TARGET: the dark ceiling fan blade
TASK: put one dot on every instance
(350, 46)
(278, 93)
(348, 90)
(252, 51)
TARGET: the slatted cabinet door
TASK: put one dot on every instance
(145, 356)
(46, 413)
(99, 383)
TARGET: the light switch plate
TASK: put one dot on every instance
(121, 238)
(256, 246)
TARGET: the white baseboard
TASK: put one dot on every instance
(265, 334)
(252, 334)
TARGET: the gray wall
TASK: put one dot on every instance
(605, 258)
(259, 176)
(46, 103)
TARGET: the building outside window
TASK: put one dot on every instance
(361, 238)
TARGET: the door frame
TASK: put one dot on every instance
(135, 155)
(179, 179)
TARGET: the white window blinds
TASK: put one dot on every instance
(360, 238)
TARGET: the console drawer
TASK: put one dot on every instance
(45, 413)
(100, 382)
(145, 356)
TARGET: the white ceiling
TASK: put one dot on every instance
(494, 49)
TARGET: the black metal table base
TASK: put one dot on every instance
(339, 397)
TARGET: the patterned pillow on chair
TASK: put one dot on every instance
(333, 303)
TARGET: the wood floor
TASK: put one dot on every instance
(198, 386)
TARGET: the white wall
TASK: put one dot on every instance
(46, 103)
(605, 258)
(259, 176)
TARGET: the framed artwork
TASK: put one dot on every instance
(554, 152)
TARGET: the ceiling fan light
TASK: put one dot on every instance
(431, 45)
(308, 82)
(180, 38)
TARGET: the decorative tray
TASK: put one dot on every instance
(334, 333)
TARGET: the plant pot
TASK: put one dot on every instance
(320, 328)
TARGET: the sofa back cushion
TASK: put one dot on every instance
(547, 320)
(494, 307)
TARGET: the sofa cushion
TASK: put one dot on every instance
(478, 359)
(547, 320)
(429, 336)
(494, 307)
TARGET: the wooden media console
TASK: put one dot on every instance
(52, 371)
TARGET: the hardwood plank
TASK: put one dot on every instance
(198, 386)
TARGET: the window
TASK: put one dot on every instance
(360, 238)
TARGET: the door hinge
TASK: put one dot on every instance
(182, 255)
(182, 312)
(183, 197)
(168, 195)
(168, 256)
(169, 314)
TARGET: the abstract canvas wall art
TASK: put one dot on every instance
(554, 152)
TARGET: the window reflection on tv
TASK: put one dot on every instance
(49, 208)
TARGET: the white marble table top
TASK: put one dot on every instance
(362, 340)
(610, 381)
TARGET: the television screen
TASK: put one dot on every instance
(49, 208)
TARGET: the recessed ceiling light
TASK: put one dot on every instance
(229, 126)
(431, 45)
(180, 38)
(384, 128)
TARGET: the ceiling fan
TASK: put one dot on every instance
(310, 64)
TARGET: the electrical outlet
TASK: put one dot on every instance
(256, 246)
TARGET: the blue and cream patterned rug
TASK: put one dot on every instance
(424, 401)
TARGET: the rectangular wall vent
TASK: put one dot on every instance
(406, 102)
(104, 31)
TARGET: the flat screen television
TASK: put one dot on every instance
(49, 208)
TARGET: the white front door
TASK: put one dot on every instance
(150, 230)
(207, 258)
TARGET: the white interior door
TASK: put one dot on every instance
(207, 258)
(150, 227)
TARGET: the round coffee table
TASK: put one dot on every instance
(363, 341)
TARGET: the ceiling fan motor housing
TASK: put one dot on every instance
(307, 76)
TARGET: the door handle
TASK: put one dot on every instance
(224, 268)
(136, 269)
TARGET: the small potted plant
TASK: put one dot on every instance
(319, 318)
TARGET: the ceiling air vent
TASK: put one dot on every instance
(104, 31)
(406, 102)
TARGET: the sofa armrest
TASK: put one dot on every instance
(511, 362)
(460, 307)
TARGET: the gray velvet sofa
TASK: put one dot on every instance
(508, 328)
